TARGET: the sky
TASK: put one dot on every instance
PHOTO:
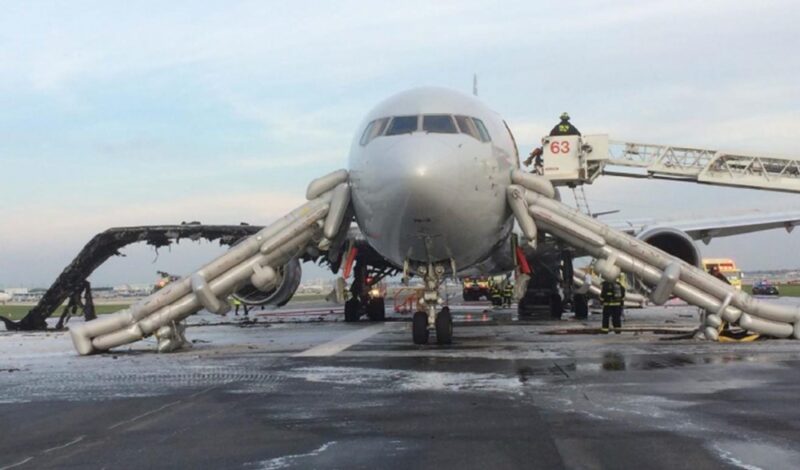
(129, 113)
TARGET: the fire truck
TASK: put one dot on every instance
(475, 288)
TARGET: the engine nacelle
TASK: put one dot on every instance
(289, 279)
(675, 242)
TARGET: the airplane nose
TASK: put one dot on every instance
(425, 173)
(430, 198)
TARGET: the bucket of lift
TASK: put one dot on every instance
(571, 160)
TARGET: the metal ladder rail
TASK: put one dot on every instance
(706, 166)
(581, 201)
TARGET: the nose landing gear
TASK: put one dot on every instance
(442, 320)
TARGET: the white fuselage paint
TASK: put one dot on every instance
(433, 197)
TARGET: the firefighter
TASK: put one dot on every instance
(564, 127)
(613, 298)
(536, 158)
(497, 293)
(714, 271)
(508, 292)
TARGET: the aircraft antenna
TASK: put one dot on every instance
(475, 84)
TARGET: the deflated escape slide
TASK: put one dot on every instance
(531, 198)
(311, 228)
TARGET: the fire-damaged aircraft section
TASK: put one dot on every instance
(73, 279)
(254, 262)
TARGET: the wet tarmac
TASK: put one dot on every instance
(302, 389)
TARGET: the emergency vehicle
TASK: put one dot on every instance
(728, 269)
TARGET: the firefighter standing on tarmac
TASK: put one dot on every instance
(508, 292)
(237, 304)
(613, 298)
(497, 294)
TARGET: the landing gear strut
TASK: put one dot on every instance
(362, 301)
(442, 320)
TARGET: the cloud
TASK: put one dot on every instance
(45, 225)
(161, 112)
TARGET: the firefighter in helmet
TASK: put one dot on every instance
(613, 298)
(564, 127)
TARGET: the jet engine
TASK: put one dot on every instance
(289, 279)
(673, 241)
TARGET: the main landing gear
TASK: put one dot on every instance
(367, 298)
(441, 320)
(374, 308)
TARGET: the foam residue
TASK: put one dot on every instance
(412, 380)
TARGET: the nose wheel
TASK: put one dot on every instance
(442, 320)
(419, 330)
(444, 327)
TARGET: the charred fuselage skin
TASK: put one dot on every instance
(433, 197)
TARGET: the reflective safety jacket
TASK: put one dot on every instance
(613, 294)
(564, 128)
(495, 291)
(508, 290)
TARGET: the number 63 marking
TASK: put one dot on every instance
(559, 147)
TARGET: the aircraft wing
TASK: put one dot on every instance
(708, 228)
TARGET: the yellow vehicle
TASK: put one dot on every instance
(728, 269)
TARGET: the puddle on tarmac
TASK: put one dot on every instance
(614, 361)
(756, 455)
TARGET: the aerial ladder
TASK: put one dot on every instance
(577, 160)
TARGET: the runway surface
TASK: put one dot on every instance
(302, 389)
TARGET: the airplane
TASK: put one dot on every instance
(427, 194)
(429, 175)
(4, 297)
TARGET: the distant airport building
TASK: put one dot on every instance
(17, 291)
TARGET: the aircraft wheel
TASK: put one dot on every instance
(420, 328)
(352, 310)
(376, 310)
(444, 327)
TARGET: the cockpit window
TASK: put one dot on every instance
(466, 126)
(402, 125)
(433, 123)
(374, 129)
(485, 137)
(439, 123)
